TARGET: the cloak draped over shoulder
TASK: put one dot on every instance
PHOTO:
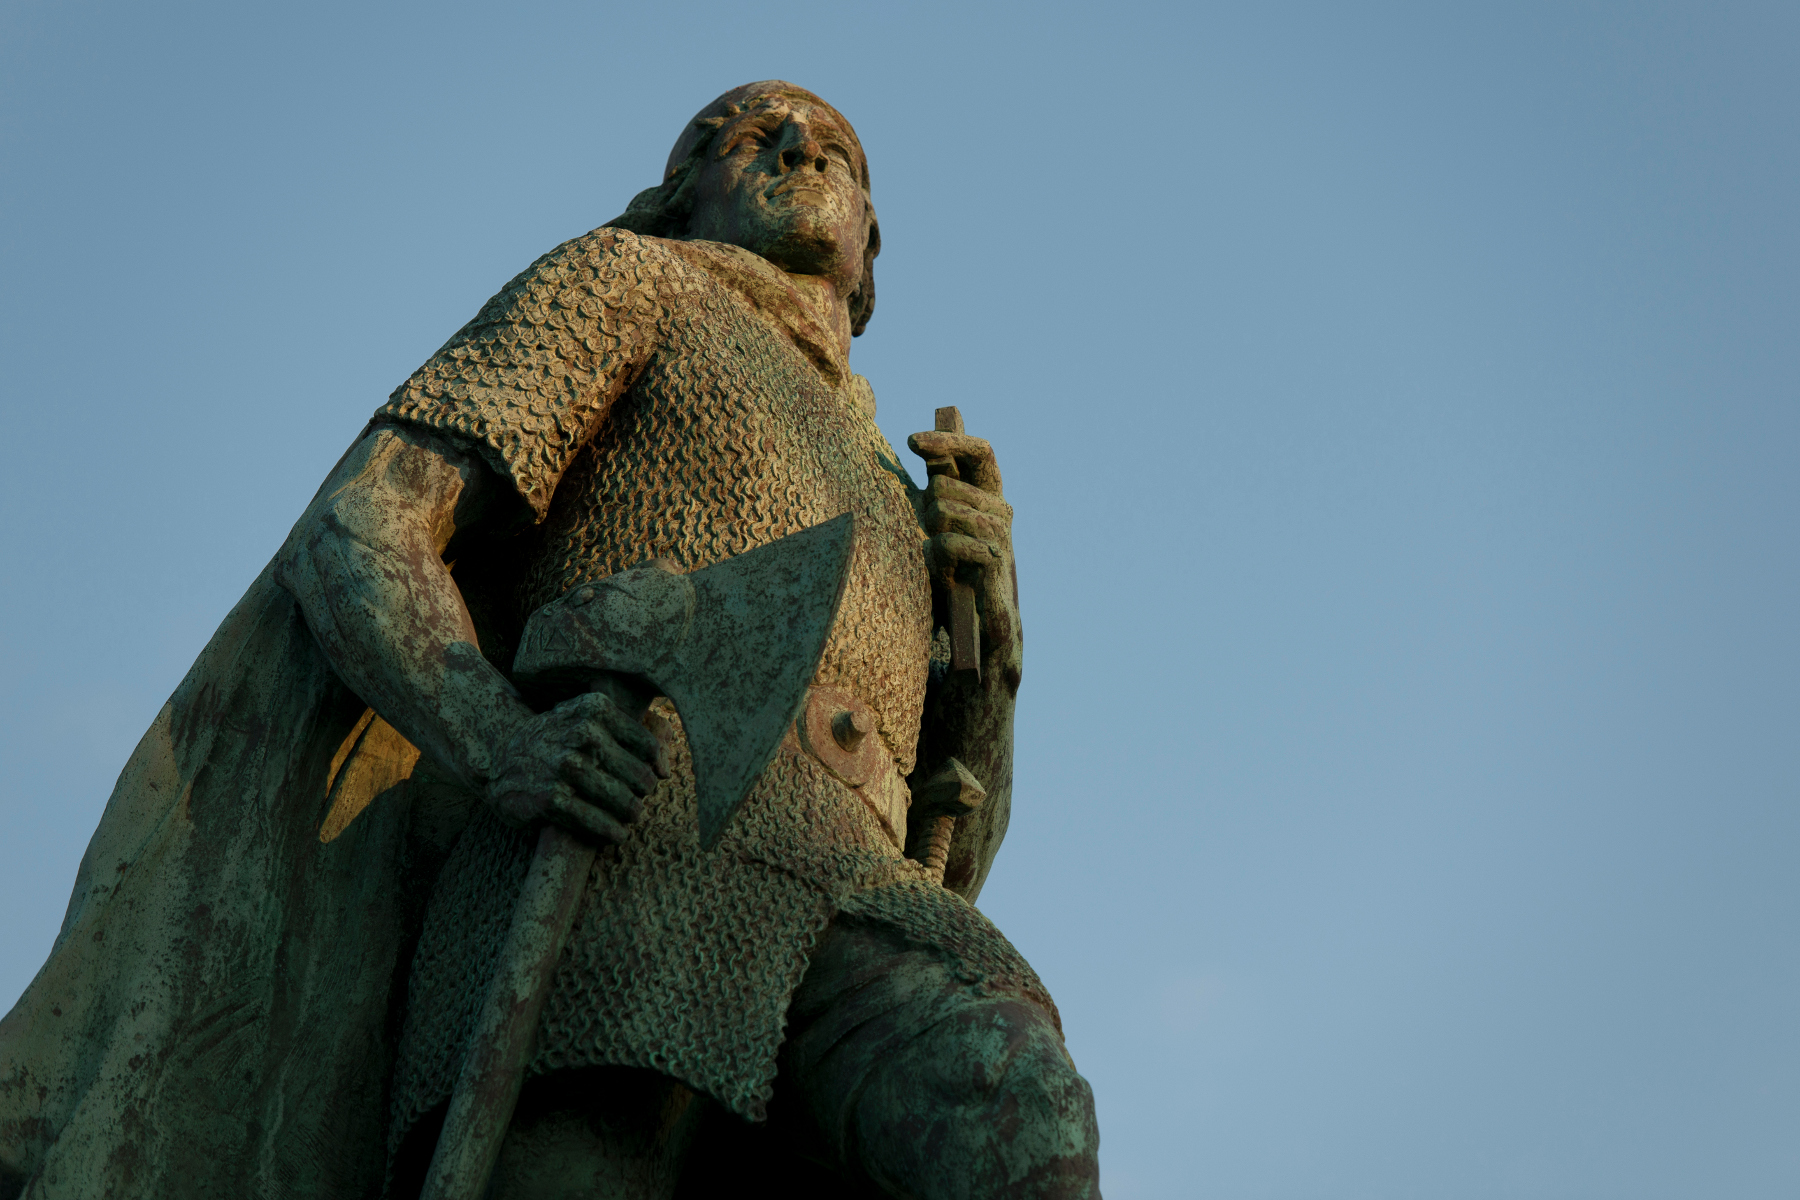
(220, 1012)
(214, 1017)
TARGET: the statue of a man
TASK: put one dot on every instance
(282, 929)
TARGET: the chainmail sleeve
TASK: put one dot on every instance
(529, 380)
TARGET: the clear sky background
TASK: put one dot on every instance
(1399, 404)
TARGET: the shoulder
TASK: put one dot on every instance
(527, 379)
(608, 249)
(605, 268)
(601, 294)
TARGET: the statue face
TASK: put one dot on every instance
(781, 180)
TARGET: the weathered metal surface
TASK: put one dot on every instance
(486, 1094)
(838, 729)
(214, 1017)
(733, 647)
(950, 793)
(965, 636)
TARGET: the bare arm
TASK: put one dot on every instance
(966, 718)
(365, 562)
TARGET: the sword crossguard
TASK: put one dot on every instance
(951, 792)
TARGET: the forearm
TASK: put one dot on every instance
(368, 576)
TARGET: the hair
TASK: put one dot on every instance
(665, 210)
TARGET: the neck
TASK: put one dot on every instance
(808, 308)
(830, 307)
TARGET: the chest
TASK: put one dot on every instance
(727, 440)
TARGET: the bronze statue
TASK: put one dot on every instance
(274, 963)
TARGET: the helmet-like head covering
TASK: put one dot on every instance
(663, 211)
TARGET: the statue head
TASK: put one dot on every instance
(772, 168)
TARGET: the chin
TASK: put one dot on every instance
(807, 246)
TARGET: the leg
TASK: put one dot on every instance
(601, 1133)
(914, 1083)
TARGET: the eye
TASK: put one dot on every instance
(754, 140)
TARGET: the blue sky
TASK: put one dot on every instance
(1398, 402)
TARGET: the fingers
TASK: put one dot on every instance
(936, 443)
(956, 489)
(949, 489)
(947, 551)
(637, 738)
(585, 765)
(579, 817)
(947, 516)
(608, 758)
(599, 788)
(974, 457)
(969, 525)
(594, 723)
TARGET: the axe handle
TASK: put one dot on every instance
(505, 1035)
(965, 638)
(504, 1039)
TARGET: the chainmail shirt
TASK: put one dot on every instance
(650, 398)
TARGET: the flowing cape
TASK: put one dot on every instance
(215, 1018)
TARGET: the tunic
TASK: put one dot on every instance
(649, 398)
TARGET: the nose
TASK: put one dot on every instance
(807, 153)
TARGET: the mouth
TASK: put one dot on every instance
(816, 196)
